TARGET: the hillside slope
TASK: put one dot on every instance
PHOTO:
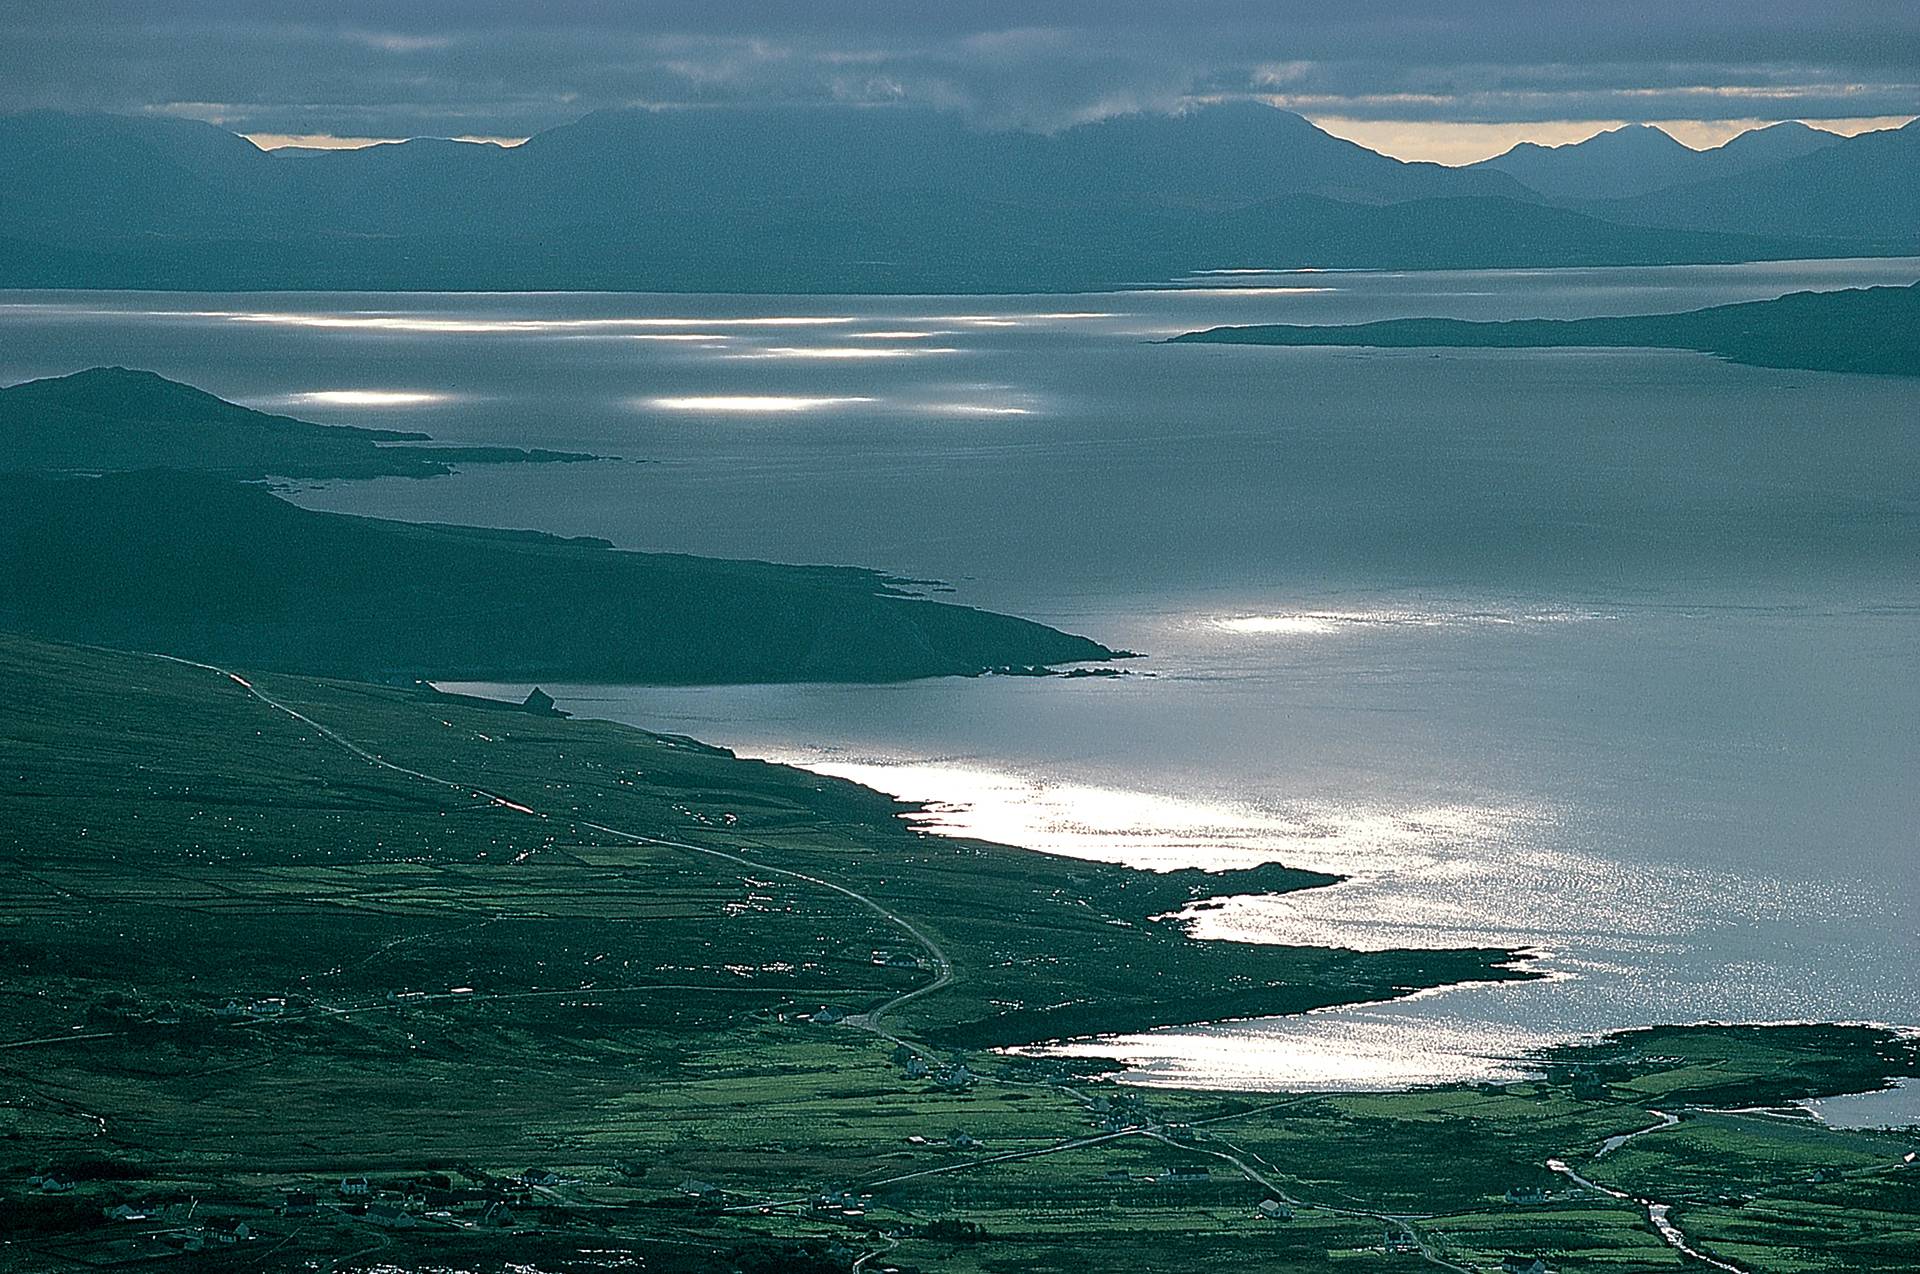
(109, 419)
(209, 569)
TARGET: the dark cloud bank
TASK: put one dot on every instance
(513, 69)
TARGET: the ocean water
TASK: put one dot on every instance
(1609, 656)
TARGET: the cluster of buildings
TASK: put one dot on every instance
(434, 1200)
(1120, 1112)
(840, 1204)
(952, 1076)
(171, 1224)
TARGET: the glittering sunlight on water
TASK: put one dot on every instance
(848, 351)
(1144, 829)
(1322, 623)
(364, 398)
(752, 402)
(1358, 1051)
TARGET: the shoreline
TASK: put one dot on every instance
(1103, 1046)
(489, 884)
(1167, 893)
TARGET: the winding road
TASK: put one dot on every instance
(871, 1020)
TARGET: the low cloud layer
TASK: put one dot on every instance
(508, 69)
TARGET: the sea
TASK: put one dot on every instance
(1611, 657)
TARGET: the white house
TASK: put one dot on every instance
(1178, 1175)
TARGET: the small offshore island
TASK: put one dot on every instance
(312, 966)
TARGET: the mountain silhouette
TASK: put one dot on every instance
(826, 199)
(1864, 189)
(1639, 159)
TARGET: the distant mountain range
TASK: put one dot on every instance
(1787, 179)
(1639, 159)
(900, 200)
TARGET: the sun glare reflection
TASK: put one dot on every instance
(1156, 831)
(1357, 1050)
(1017, 319)
(1249, 290)
(751, 402)
(453, 324)
(1294, 625)
(847, 351)
(974, 409)
(366, 398)
(1322, 623)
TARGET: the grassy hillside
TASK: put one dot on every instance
(111, 419)
(437, 943)
(143, 768)
(1874, 330)
(196, 566)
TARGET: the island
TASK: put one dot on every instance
(1873, 330)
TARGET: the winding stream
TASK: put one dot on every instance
(1660, 1214)
(1614, 1143)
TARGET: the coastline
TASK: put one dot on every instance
(1195, 888)
(1401, 1042)
(491, 861)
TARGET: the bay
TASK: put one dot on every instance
(1608, 656)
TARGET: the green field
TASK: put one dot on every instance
(262, 935)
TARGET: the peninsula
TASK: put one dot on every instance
(134, 518)
(1873, 330)
(110, 419)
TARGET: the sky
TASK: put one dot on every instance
(1451, 80)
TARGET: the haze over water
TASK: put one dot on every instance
(1609, 655)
